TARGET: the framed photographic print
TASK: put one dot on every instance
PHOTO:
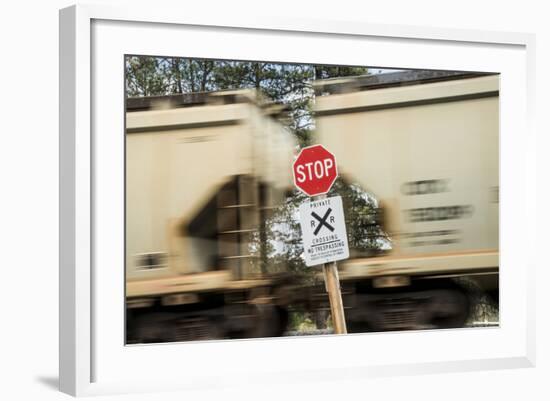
(293, 205)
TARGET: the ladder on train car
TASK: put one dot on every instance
(239, 221)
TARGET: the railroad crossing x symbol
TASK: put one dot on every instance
(323, 221)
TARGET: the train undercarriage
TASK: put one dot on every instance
(261, 312)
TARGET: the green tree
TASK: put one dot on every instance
(190, 75)
(146, 76)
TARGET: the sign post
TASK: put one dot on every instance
(332, 283)
(322, 222)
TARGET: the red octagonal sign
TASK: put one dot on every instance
(315, 170)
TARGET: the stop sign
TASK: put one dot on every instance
(315, 170)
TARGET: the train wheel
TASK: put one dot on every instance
(451, 309)
(357, 327)
(154, 328)
(270, 321)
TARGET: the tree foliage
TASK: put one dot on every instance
(146, 76)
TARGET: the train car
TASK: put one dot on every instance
(425, 144)
(203, 170)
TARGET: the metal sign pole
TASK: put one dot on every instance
(332, 286)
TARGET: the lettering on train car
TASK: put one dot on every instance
(437, 213)
(424, 187)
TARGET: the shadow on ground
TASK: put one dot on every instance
(51, 382)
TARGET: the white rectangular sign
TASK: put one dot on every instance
(323, 231)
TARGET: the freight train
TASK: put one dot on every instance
(205, 171)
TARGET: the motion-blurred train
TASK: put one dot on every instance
(205, 171)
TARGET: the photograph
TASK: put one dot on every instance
(270, 199)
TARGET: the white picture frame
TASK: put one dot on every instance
(93, 358)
